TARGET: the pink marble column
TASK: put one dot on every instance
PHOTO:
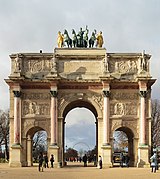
(142, 118)
(54, 118)
(106, 118)
(17, 116)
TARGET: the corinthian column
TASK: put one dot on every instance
(106, 118)
(142, 117)
(17, 116)
(54, 117)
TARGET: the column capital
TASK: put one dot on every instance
(54, 93)
(106, 93)
(143, 93)
(17, 94)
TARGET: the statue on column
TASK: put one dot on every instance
(143, 66)
(105, 61)
(54, 66)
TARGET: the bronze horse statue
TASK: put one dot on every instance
(74, 38)
(67, 39)
(92, 39)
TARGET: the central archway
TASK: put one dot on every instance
(81, 116)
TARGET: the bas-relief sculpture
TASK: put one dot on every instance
(35, 104)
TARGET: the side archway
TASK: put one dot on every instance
(129, 135)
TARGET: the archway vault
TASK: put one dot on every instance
(80, 103)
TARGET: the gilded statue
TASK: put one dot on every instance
(60, 40)
(99, 39)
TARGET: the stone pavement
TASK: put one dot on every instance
(76, 172)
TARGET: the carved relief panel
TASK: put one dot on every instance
(35, 104)
(36, 67)
(123, 68)
(124, 103)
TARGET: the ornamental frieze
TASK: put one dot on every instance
(124, 96)
(36, 96)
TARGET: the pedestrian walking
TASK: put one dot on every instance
(40, 162)
(46, 161)
(85, 160)
(52, 160)
(153, 160)
(100, 162)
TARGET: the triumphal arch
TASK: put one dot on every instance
(115, 87)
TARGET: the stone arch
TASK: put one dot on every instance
(127, 125)
(29, 126)
(92, 102)
(130, 135)
(80, 103)
(28, 141)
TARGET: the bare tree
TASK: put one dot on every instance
(155, 121)
(39, 143)
(4, 131)
(120, 141)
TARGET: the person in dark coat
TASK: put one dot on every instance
(127, 158)
(100, 162)
(46, 161)
(52, 160)
(153, 160)
(40, 162)
(85, 160)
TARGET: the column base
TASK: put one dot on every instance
(15, 156)
(53, 149)
(143, 156)
(106, 156)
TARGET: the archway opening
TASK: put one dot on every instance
(37, 142)
(80, 134)
(123, 147)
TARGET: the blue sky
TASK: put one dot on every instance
(127, 26)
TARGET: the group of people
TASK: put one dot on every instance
(80, 39)
(85, 159)
(124, 160)
(43, 161)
